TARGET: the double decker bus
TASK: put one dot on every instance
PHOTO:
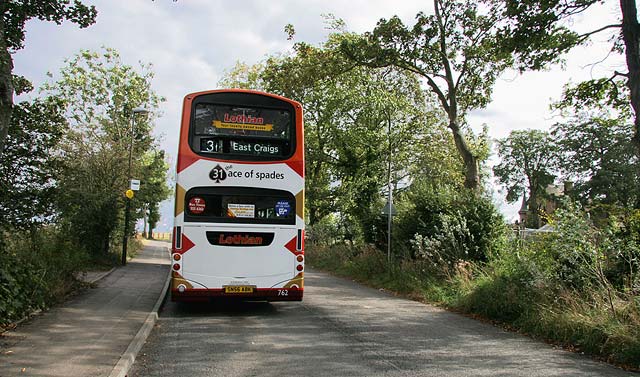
(239, 209)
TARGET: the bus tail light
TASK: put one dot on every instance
(299, 268)
(300, 258)
(177, 257)
(176, 266)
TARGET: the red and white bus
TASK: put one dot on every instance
(239, 210)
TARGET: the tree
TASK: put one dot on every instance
(243, 76)
(153, 216)
(15, 14)
(528, 164)
(153, 188)
(454, 50)
(347, 115)
(597, 143)
(597, 153)
(538, 33)
(31, 163)
(100, 93)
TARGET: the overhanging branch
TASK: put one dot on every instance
(584, 36)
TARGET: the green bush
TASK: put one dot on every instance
(447, 224)
(37, 269)
(576, 286)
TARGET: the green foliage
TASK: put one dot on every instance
(16, 13)
(577, 286)
(100, 93)
(535, 32)
(528, 163)
(454, 50)
(30, 164)
(243, 76)
(324, 232)
(37, 269)
(457, 38)
(538, 33)
(599, 156)
(574, 248)
(449, 244)
(603, 93)
(355, 117)
(154, 188)
(447, 224)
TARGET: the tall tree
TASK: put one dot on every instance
(15, 14)
(599, 157)
(154, 189)
(243, 76)
(347, 115)
(100, 93)
(596, 139)
(31, 163)
(528, 164)
(538, 33)
(454, 50)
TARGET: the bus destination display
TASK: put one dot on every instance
(220, 129)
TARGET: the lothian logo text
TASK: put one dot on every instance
(238, 239)
(248, 119)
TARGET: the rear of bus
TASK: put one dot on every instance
(239, 211)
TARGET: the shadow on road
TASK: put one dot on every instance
(219, 308)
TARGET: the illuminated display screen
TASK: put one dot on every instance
(236, 130)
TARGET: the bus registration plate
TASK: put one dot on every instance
(238, 289)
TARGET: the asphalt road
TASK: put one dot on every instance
(344, 329)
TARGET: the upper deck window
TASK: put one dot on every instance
(245, 132)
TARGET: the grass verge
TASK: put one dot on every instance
(588, 321)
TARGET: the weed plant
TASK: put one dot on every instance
(37, 269)
(578, 286)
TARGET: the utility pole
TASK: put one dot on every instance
(389, 196)
(129, 192)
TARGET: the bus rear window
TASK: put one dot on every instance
(240, 205)
(253, 132)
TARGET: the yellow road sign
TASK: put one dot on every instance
(129, 194)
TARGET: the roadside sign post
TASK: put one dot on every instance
(134, 185)
(389, 210)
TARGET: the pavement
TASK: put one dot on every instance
(99, 331)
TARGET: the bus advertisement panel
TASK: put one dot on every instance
(239, 210)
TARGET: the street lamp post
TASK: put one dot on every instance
(129, 198)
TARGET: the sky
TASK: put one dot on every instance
(191, 43)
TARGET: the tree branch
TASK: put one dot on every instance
(584, 36)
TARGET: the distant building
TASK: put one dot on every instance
(524, 211)
(548, 205)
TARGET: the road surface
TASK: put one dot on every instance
(344, 329)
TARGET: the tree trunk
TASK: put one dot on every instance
(471, 173)
(631, 37)
(6, 81)
(105, 244)
(150, 233)
(145, 234)
(533, 220)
